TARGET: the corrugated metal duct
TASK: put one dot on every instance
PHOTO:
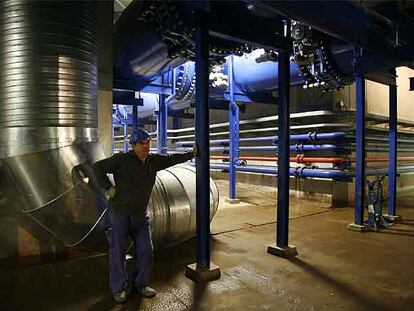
(48, 76)
(173, 204)
(48, 112)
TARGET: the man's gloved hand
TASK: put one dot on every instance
(110, 193)
(195, 150)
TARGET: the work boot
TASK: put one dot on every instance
(120, 297)
(146, 291)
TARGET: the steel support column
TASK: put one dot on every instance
(125, 126)
(282, 229)
(134, 117)
(234, 136)
(360, 150)
(175, 121)
(202, 270)
(358, 224)
(392, 175)
(162, 125)
(282, 237)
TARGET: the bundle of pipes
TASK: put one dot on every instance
(311, 136)
(298, 172)
(302, 159)
(301, 171)
(304, 172)
(297, 147)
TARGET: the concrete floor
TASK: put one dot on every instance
(336, 269)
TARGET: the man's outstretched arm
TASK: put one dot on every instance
(164, 161)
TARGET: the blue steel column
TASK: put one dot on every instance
(360, 150)
(234, 134)
(392, 174)
(126, 126)
(175, 122)
(282, 234)
(162, 125)
(202, 140)
(134, 117)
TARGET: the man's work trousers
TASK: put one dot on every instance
(123, 225)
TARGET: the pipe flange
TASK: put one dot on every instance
(299, 172)
(299, 147)
(312, 135)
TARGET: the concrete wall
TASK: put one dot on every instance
(377, 99)
(301, 188)
(105, 120)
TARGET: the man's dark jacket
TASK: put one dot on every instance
(134, 179)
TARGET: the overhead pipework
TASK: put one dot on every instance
(314, 58)
(369, 24)
(152, 37)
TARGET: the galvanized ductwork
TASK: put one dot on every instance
(48, 114)
(172, 207)
(48, 76)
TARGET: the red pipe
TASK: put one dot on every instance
(298, 159)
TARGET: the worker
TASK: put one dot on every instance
(134, 175)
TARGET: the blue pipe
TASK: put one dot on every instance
(250, 77)
(162, 126)
(309, 172)
(298, 137)
(299, 172)
(135, 118)
(299, 147)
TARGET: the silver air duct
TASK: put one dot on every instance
(48, 114)
(172, 206)
(48, 77)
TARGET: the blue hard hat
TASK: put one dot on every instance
(138, 135)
